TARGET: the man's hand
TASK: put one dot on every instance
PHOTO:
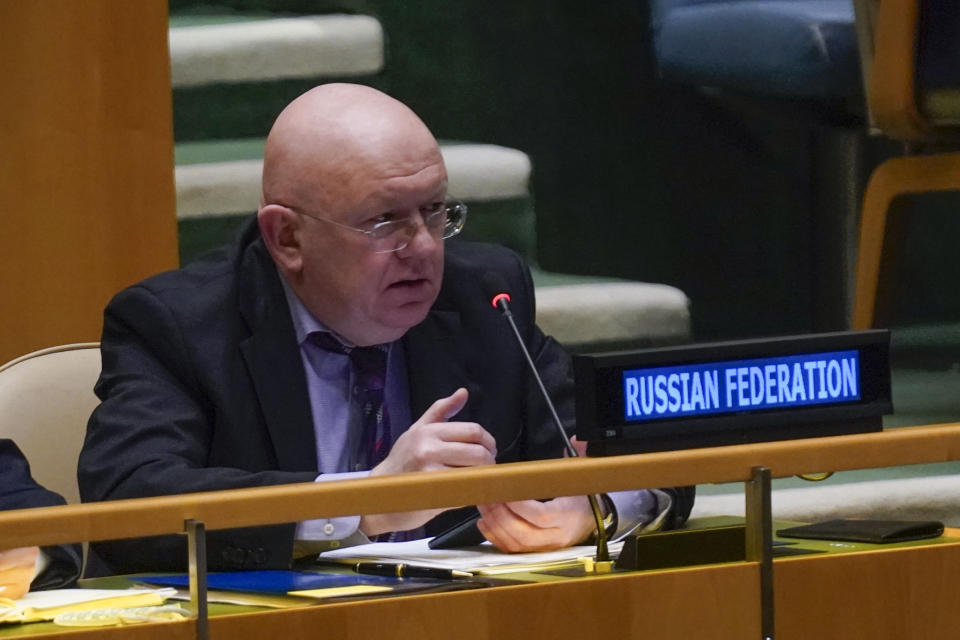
(430, 444)
(530, 525)
(16, 571)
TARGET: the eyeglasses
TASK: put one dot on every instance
(445, 220)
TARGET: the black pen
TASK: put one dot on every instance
(408, 571)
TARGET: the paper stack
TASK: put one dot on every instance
(484, 559)
(38, 606)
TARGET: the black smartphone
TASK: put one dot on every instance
(465, 534)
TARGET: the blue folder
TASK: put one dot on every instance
(280, 581)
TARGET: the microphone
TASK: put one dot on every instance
(495, 287)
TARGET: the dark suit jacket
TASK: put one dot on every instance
(203, 389)
(18, 490)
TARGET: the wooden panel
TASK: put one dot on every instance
(182, 630)
(663, 605)
(882, 595)
(86, 169)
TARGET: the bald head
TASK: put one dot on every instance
(341, 161)
(326, 139)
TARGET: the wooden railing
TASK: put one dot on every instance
(290, 503)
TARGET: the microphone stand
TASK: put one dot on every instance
(603, 555)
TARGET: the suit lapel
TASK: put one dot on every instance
(273, 361)
(437, 363)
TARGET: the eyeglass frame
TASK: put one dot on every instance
(409, 222)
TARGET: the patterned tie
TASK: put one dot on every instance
(369, 372)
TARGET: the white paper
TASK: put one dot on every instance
(484, 558)
(54, 598)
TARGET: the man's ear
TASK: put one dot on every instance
(280, 228)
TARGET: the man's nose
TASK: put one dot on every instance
(422, 240)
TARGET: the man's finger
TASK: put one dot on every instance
(458, 454)
(445, 408)
(467, 433)
(553, 513)
(496, 524)
(511, 533)
(533, 511)
(579, 447)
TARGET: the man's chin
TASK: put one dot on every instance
(392, 324)
(409, 315)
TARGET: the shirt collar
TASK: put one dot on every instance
(304, 322)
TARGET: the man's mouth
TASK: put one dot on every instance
(412, 283)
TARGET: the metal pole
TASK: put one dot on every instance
(759, 542)
(197, 558)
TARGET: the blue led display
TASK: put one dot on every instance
(741, 385)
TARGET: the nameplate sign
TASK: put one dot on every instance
(733, 392)
(741, 385)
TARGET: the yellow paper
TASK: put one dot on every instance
(246, 598)
(336, 592)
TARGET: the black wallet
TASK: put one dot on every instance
(876, 531)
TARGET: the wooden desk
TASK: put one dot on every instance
(883, 595)
(897, 593)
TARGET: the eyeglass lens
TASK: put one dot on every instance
(443, 224)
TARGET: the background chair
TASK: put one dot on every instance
(46, 398)
(782, 78)
(914, 97)
(794, 49)
(910, 57)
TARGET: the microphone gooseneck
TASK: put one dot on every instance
(496, 289)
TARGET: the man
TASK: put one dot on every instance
(237, 371)
(30, 567)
